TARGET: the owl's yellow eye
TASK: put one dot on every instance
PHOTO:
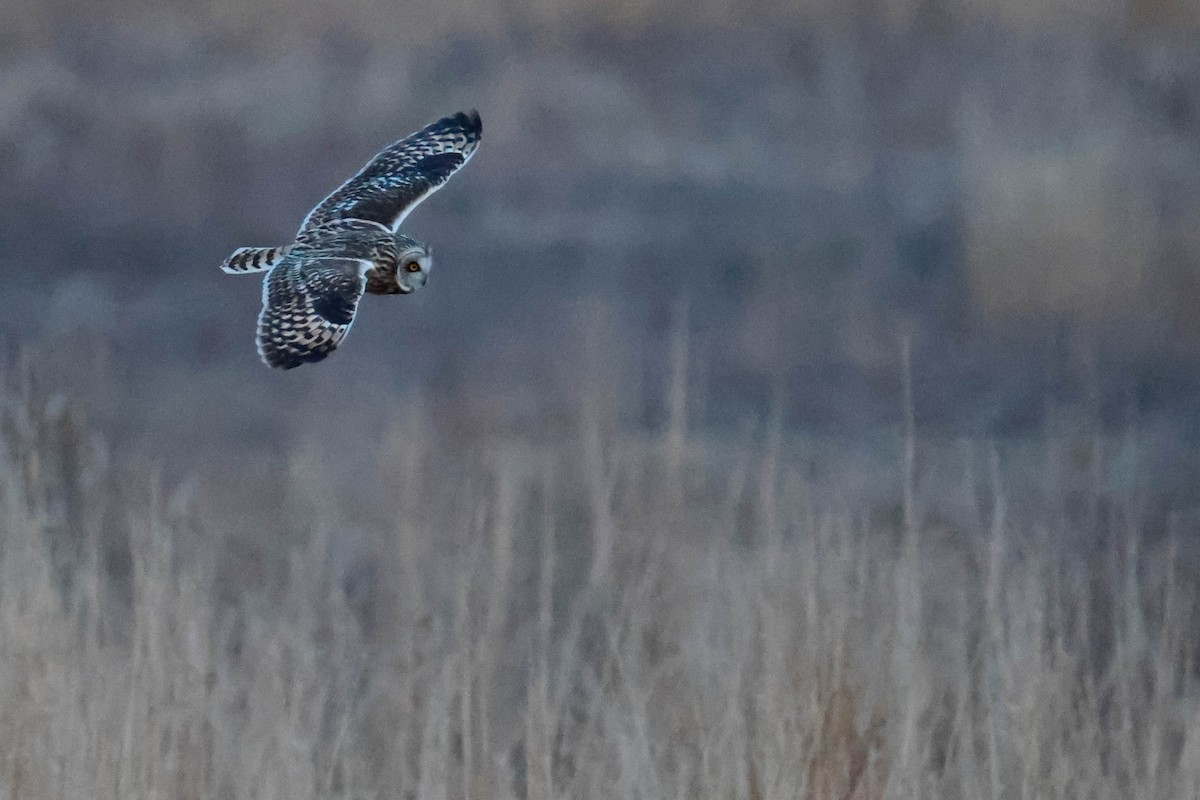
(412, 266)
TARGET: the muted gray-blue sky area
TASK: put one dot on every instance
(797, 187)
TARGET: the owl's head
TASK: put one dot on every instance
(415, 262)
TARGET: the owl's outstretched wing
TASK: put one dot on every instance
(403, 175)
(308, 307)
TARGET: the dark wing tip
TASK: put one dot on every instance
(470, 122)
(278, 357)
(275, 356)
(281, 362)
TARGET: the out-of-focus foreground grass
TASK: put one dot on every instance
(586, 614)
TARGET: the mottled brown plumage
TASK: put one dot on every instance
(349, 245)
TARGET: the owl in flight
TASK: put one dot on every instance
(350, 244)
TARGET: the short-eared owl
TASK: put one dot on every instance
(349, 244)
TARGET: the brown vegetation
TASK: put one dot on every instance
(586, 613)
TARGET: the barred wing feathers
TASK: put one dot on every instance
(403, 175)
(308, 307)
(246, 260)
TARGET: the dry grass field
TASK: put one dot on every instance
(581, 612)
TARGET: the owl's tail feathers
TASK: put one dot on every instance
(246, 260)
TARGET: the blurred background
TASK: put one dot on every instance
(1012, 185)
(898, 294)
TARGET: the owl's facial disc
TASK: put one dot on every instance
(414, 269)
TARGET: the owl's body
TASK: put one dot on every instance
(350, 245)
